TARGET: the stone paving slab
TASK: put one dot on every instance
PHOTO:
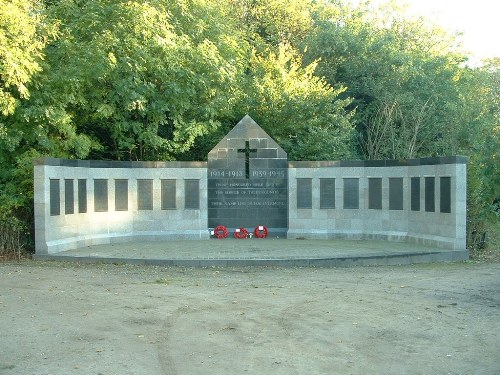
(261, 252)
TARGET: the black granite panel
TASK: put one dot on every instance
(192, 194)
(217, 163)
(375, 163)
(55, 197)
(237, 164)
(413, 162)
(168, 194)
(261, 163)
(69, 163)
(351, 193)
(352, 163)
(396, 163)
(145, 194)
(69, 197)
(415, 193)
(429, 194)
(258, 143)
(375, 193)
(236, 143)
(454, 160)
(445, 194)
(430, 161)
(231, 199)
(252, 189)
(222, 153)
(395, 193)
(82, 196)
(313, 164)
(304, 193)
(121, 195)
(100, 195)
(269, 153)
(326, 193)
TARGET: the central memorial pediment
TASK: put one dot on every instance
(248, 181)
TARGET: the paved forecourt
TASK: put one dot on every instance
(260, 252)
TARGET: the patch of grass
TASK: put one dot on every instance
(491, 253)
(164, 281)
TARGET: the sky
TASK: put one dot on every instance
(478, 20)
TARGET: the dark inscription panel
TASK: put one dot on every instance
(415, 193)
(82, 196)
(168, 194)
(100, 195)
(375, 193)
(429, 194)
(121, 195)
(304, 193)
(395, 193)
(55, 198)
(145, 194)
(192, 194)
(69, 197)
(445, 194)
(239, 202)
(326, 193)
(351, 193)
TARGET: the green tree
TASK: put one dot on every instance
(300, 110)
(124, 82)
(22, 42)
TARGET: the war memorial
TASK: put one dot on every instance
(248, 190)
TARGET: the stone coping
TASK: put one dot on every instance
(379, 163)
(118, 164)
(292, 164)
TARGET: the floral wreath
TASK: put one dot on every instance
(220, 231)
(260, 231)
(241, 233)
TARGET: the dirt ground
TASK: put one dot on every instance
(66, 318)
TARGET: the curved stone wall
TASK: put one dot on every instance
(82, 203)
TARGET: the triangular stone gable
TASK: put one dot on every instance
(247, 130)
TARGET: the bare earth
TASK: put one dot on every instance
(65, 318)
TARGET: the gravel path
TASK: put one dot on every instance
(67, 318)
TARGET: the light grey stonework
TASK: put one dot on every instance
(63, 232)
(443, 230)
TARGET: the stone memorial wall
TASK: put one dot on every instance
(246, 183)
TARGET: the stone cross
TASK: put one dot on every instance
(247, 150)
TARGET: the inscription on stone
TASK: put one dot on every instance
(304, 193)
(55, 197)
(429, 194)
(100, 195)
(415, 193)
(82, 196)
(351, 193)
(375, 193)
(248, 181)
(121, 195)
(69, 197)
(168, 194)
(327, 193)
(445, 194)
(395, 193)
(192, 194)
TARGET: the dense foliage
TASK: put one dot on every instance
(165, 79)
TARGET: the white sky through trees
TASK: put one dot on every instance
(477, 20)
